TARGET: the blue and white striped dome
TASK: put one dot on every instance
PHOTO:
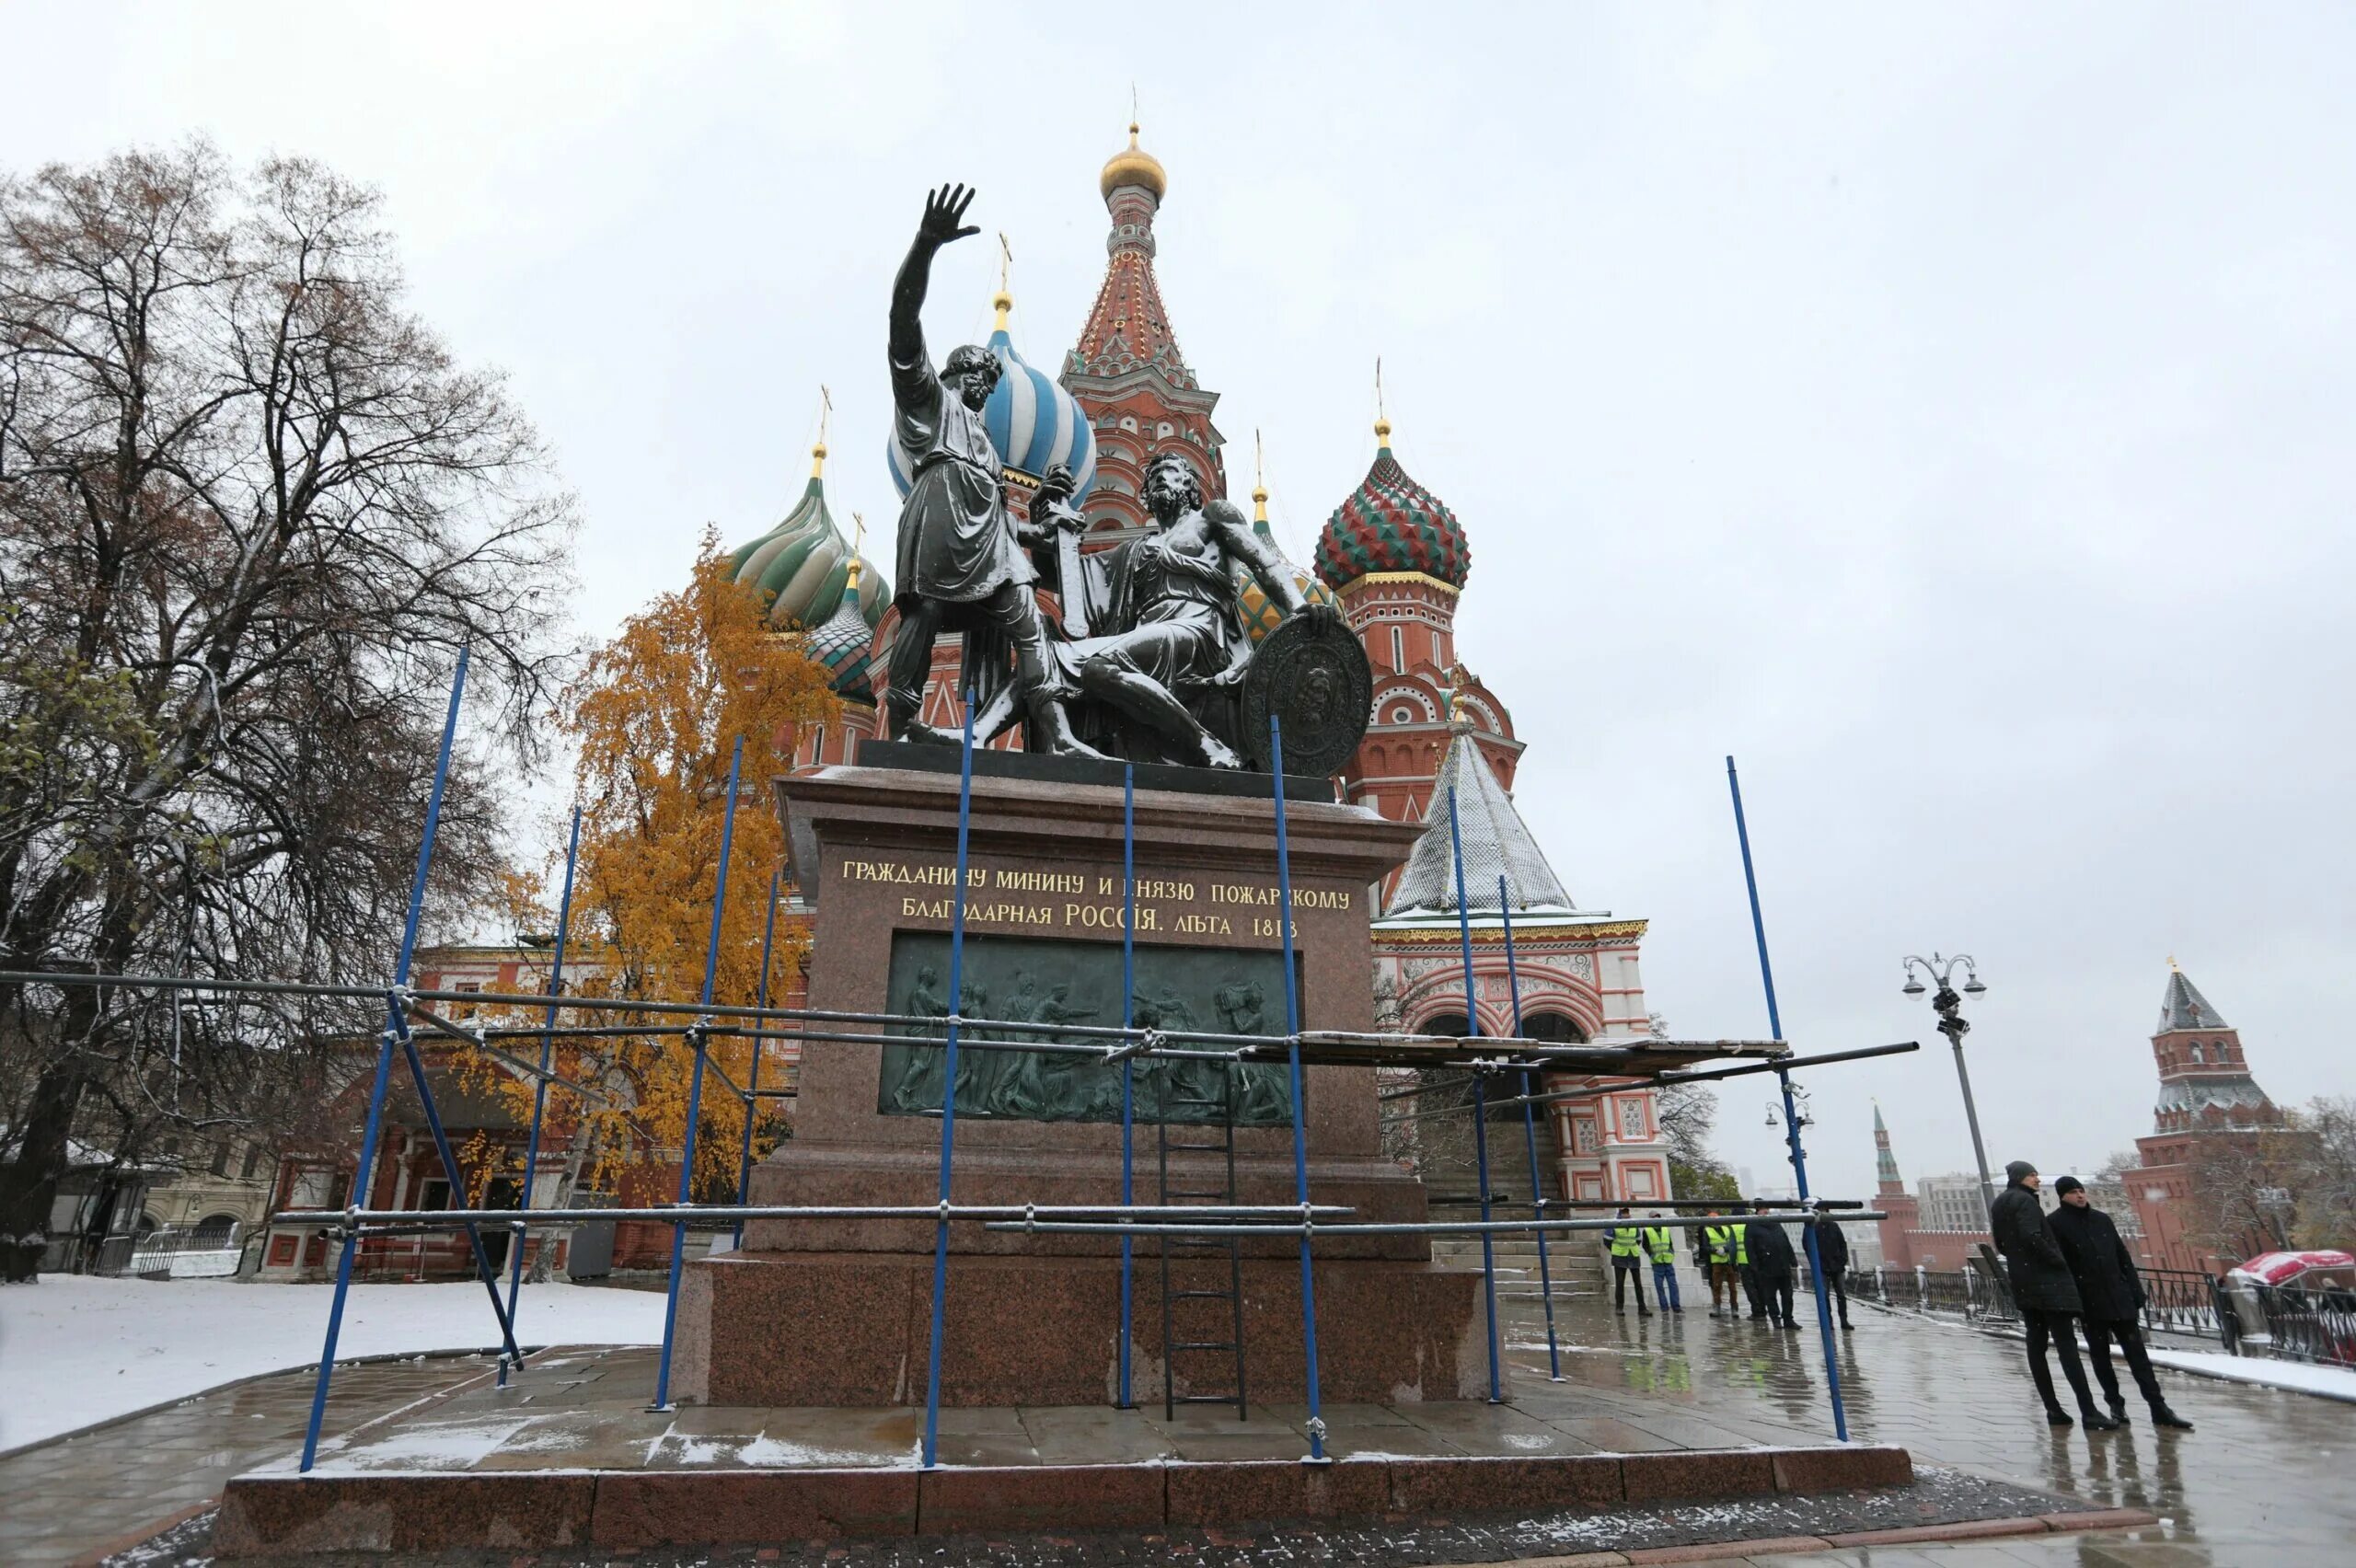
(1034, 423)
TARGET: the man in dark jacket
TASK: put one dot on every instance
(2043, 1290)
(1833, 1256)
(1772, 1262)
(2112, 1294)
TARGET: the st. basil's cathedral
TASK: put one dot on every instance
(1395, 561)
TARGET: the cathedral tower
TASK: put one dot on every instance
(1398, 559)
(1126, 370)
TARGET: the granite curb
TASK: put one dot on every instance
(269, 1515)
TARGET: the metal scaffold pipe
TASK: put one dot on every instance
(1392, 1228)
(452, 1219)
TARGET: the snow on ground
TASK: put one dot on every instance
(2331, 1382)
(75, 1350)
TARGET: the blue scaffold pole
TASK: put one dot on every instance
(489, 1276)
(540, 1090)
(1529, 1141)
(695, 1082)
(753, 1074)
(1791, 1111)
(1480, 1101)
(949, 1097)
(361, 1177)
(1128, 1064)
(1316, 1423)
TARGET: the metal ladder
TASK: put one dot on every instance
(1223, 1143)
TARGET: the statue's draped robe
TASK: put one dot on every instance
(1178, 625)
(956, 540)
(956, 543)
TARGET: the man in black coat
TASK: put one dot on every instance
(2043, 1290)
(1772, 1262)
(2112, 1293)
(1833, 1256)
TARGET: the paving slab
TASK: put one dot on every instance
(2259, 1481)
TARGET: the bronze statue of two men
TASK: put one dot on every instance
(1161, 673)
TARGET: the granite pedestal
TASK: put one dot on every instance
(829, 1312)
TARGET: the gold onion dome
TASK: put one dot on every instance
(1133, 166)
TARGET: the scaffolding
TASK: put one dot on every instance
(695, 1025)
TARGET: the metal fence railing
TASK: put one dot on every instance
(1965, 1293)
(2181, 1301)
(173, 1251)
(2315, 1326)
(2281, 1321)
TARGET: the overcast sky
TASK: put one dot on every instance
(1947, 412)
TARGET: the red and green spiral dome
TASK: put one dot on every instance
(1391, 524)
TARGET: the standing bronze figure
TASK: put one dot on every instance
(961, 567)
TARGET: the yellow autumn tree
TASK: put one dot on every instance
(656, 715)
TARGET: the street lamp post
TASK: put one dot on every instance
(1952, 1024)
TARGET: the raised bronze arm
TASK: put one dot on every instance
(944, 212)
(1235, 532)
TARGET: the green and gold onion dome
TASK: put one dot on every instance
(803, 565)
(845, 643)
(1391, 524)
(1260, 617)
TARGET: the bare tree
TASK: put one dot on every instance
(2245, 1189)
(2328, 1188)
(250, 509)
(1689, 1114)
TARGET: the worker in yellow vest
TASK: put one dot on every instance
(1625, 1244)
(1660, 1241)
(1728, 1256)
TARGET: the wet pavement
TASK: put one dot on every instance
(64, 1499)
(2262, 1481)
(2266, 1478)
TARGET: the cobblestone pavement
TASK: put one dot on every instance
(62, 1500)
(2262, 1481)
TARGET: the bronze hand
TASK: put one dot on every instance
(944, 210)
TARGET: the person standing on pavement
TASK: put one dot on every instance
(1747, 1268)
(2112, 1294)
(1725, 1247)
(2043, 1290)
(1833, 1257)
(1625, 1244)
(1660, 1240)
(1772, 1262)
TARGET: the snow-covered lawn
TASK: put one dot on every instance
(75, 1350)
(2332, 1382)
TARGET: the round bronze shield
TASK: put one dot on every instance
(1312, 676)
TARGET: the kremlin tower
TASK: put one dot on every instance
(2208, 1101)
